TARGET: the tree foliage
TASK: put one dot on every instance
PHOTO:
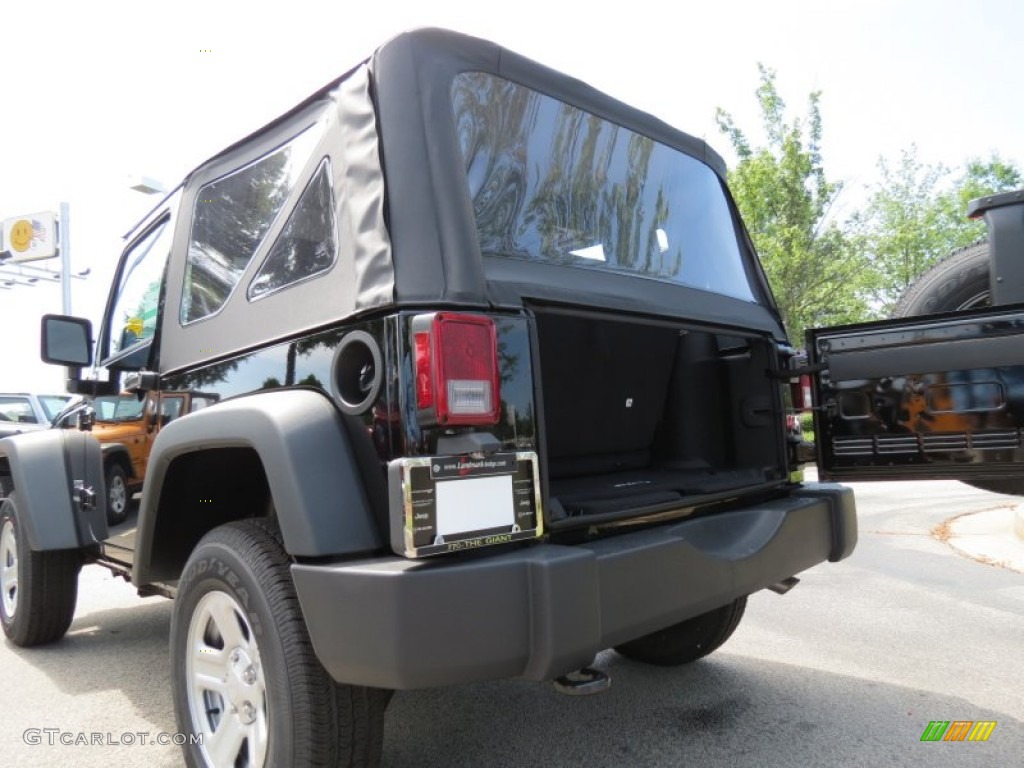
(916, 215)
(785, 198)
(823, 271)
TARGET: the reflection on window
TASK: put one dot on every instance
(307, 244)
(230, 219)
(553, 183)
(134, 314)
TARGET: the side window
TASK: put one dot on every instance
(133, 315)
(201, 401)
(308, 242)
(230, 220)
(17, 409)
(170, 408)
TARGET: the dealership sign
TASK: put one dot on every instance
(31, 237)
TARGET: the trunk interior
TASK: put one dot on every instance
(643, 418)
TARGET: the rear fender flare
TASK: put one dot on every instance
(307, 455)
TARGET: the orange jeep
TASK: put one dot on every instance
(126, 428)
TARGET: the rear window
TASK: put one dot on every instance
(553, 183)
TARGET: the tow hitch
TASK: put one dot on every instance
(782, 587)
(583, 682)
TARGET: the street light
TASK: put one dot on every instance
(146, 185)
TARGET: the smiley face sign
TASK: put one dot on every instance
(21, 235)
(30, 236)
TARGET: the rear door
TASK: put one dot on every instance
(940, 396)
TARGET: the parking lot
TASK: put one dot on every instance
(847, 669)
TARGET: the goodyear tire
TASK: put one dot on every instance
(118, 496)
(38, 590)
(960, 281)
(688, 640)
(244, 675)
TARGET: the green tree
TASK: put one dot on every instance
(978, 178)
(785, 198)
(917, 214)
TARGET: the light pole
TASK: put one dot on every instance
(65, 258)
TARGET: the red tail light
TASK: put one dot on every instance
(424, 372)
(800, 390)
(456, 359)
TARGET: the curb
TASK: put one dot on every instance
(990, 536)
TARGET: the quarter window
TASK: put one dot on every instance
(230, 220)
(308, 242)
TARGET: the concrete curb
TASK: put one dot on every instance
(990, 536)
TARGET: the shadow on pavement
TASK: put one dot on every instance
(727, 710)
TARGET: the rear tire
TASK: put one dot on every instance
(960, 281)
(38, 590)
(244, 674)
(688, 640)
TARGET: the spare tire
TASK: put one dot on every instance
(959, 281)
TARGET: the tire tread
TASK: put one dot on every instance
(335, 724)
(688, 640)
(47, 592)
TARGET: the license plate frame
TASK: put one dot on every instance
(455, 503)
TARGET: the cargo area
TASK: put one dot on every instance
(644, 417)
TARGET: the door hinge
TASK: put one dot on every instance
(85, 496)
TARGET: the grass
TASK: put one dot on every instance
(807, 426)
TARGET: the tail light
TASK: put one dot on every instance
(456, 360)
(800, 390)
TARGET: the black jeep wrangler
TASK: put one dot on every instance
(500, 385)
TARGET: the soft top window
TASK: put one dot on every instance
(307, 244)
(553, 183)
(230, 220)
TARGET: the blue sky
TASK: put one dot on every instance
(91, 94)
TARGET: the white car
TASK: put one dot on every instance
(22, 412)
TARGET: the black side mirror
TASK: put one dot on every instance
(66, 341)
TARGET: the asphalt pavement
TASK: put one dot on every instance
(848, 669)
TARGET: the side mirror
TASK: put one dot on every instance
(66, 341)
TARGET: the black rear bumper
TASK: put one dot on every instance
(543, 611)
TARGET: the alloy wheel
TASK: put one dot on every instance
(227, 694)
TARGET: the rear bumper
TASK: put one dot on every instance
(542, 611)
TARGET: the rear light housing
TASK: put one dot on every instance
(456, 369)
(800, 392)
